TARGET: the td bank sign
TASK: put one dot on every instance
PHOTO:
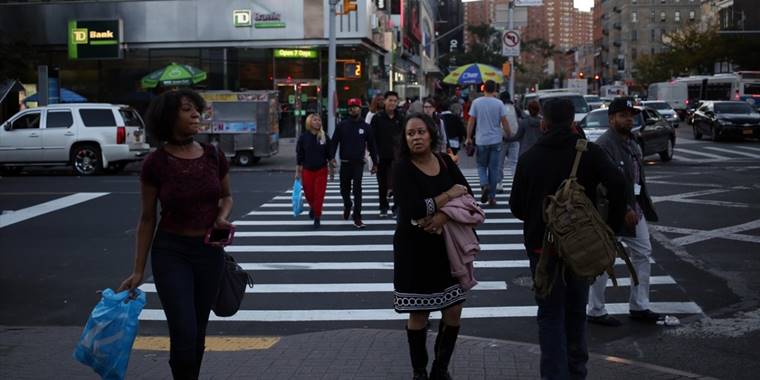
(245, 18)
(97, 39)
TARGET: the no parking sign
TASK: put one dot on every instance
(510, 43)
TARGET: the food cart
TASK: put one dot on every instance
(243, 124)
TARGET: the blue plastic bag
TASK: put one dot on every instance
(297, 199)
(107, 339)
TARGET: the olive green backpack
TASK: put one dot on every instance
(578, 234)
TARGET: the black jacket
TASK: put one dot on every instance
(455, 128)
(310, 153)
(622, 153)
(542, 169)
(388, 133)
(354, 138)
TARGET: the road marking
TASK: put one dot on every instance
(691, 231)
(710, 155)
(748, 148)
(721, 233)
(679, 197)
(504, 196)
(388, 221)
(750, 155)
(7, 219)
(390, 314)
(325, 205)
(291, 266)
(212, 343)
(364, 211)
(348, 248)
(260, 234)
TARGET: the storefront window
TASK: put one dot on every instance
(255, 70)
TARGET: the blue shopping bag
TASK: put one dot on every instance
(107, 339)
(297, 199)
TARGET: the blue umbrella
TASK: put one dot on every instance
(67, 96)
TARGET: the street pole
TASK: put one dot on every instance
(331, 58)
(510, 26)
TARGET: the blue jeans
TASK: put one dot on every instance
(489, 163)
(511, 151)
(562, 325)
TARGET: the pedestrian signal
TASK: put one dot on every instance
(349, 6)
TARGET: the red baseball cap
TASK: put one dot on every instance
(354, 102)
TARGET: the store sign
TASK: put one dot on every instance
(100, 39)
(245, 18)
(295, 53)
(242, 18)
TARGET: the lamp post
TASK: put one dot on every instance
(331, 58)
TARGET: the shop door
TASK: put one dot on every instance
(297, 100)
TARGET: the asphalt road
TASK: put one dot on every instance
(705, 249)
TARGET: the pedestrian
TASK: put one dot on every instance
(191, 182)
(387, 128)
(490, 115)
(429, 108)
(313, 154)
(530, 128)
(540, 171)
(622, 148)
(374, 108)
(354, 137)
(511, 149)
(423, 282)
(455, 130)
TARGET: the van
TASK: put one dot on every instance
(674, 93)
(91, 137)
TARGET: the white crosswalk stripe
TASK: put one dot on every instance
(714, 152)
(339, 273)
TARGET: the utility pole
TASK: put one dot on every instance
(510, 26)
(331, 58)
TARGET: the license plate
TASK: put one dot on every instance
(747, 131)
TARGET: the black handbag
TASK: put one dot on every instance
(231, 288)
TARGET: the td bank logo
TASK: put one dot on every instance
(242, 18)
(79, 36)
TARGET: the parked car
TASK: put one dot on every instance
(720, 119)
(91, 137)
(579, 103)
(594, 102)
(652, 132)
(664, 109)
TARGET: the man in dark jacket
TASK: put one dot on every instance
(387, 128)
(540, 171)
(354, 137)
(625, 153)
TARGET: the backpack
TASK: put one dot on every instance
(578, 234)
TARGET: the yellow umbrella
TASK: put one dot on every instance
(474, 73)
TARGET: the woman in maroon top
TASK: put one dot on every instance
(191, 183)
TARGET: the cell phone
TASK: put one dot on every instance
(221, 236)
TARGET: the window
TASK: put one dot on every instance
(652, 35)
(678, 16)
(28, 121)
(59, 119)
(663, 16)
(652, 16)
(691, 15)
(634, 17)
(97, 117)
(130, 118)
(634, 35)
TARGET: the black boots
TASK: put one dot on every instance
(418, 352)
(444, 348)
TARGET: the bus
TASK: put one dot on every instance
(732, 86)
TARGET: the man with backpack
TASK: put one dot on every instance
(625, 153)
(540, 172)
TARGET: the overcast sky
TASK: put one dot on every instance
(584, 4)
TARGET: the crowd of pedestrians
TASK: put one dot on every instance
(415, 158)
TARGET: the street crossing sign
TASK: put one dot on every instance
(510, 43)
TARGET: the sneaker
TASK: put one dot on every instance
(604, 320)
(359, 224)
(484, 195)
(346, 213)
(316, 223)
(500, 188)
(492, 202)
(383, 213)
(646, 316)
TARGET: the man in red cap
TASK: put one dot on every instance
(354, 137)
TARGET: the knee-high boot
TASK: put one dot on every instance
(418, 352)
(444, 348)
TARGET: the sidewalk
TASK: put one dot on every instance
(45, 353)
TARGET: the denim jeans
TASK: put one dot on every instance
(489, 163)
(562, 325)
(187, 274)
(351, 183)
(511, 152)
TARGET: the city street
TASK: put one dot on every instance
(65, 237)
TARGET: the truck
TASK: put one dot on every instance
(579, 86)
(672, 92)
(613, 90)
(244, 125)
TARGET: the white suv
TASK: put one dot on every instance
(92, 137)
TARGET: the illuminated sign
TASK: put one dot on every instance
(242, 18)
(352, 70)
(245, 18)
(99, 39)
(295, 53)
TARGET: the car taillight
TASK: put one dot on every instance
(121, 135)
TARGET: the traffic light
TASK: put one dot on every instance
(349, 6)
(506, 69)
(581, 75)
(596, 77)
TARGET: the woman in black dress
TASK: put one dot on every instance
(425, 182)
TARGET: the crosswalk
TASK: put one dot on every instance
(338, 273)
(691, 151)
